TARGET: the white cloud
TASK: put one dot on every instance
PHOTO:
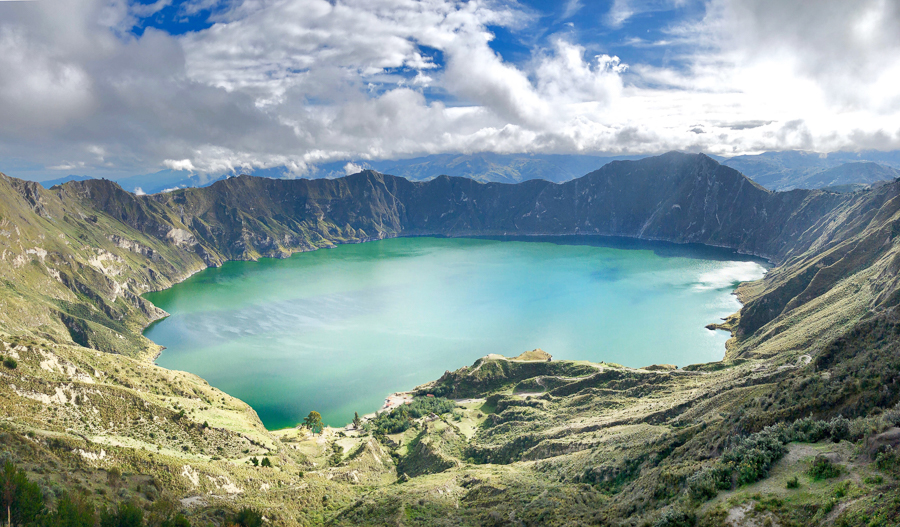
(179, 164)
(300, 82)
(572, 7)
(619, 12)
(352, 168)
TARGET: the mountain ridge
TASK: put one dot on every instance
(75, 259)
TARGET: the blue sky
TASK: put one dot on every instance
(112, 87)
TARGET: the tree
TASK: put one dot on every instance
(357, 422)
(21, 498)
(114, 477)
(73, 512)
(266, 462)
(255, 461)
(314, 422)
(125, 515)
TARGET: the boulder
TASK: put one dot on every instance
(890, 438)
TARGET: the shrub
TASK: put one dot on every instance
(247, 517)
(73, 512)
(822, 468)
(748, 459)
(266, 462)
(176, 521)
(705, 484)
(337, 454)
(400, 419)
(887, 460)
(676, 518)
(793, 483)
(125, 515)
(10, 363)
(752, 456)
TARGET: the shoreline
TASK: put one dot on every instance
(396, 399)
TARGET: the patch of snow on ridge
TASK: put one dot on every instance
(729, 274)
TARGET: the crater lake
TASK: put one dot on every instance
(337, 330)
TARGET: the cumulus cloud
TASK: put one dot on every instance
(179, 164)
(298, 82)
(352, 168)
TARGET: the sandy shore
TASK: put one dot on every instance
(392, 401)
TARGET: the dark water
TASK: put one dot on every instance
(337, 330)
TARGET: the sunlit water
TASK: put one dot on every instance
(337, 330)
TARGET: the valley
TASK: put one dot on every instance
(811, 367)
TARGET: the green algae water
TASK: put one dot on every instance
(337, 330)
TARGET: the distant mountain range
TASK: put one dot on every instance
(485, 167)
(779, 171)
(794, 169)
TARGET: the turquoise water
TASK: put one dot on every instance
(338, 330)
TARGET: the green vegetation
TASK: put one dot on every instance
(748, 459)
(22, 500)
(124, 515)
(247, 517)
(337, 455)
(24, 504)
(401, 418)
(815, 340)
(313, 422)
(823, 468)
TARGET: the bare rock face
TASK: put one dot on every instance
(889, 439)
(181, 237)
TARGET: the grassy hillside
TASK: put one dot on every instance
(809, 387)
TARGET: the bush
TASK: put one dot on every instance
(248, 517)
(337, 455)
(793, 483)
(73, 512)
(822, 468)
(887, 461)
(400, 419)
(706, 484)
(176, 521)
(676, 518)
(752, 456)
(125, 515)
(10, 363)
(748, 459)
